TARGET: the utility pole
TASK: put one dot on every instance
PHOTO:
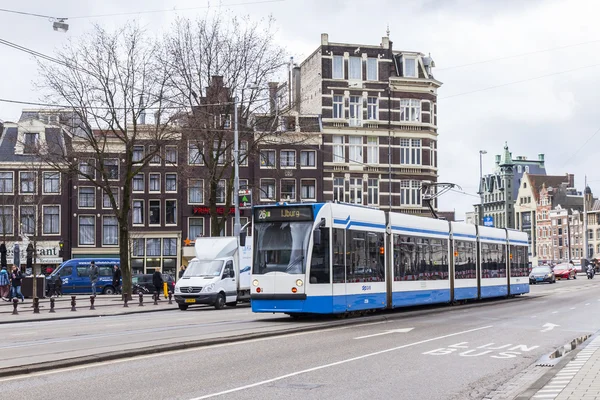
(481, 153)
(585, 223)
(236, 164)
(390, 147)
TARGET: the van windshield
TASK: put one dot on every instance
(203, 268)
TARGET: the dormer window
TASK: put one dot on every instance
(410, 67)
(31, 142)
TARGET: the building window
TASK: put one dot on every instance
(373, 191)
(267, 158)
(155, 152)
(590, 234)
(27, 182)
(6, 220)
(355, 147)
(111, 166)
(195, 227)
(287, 158)
(153, 247)
(355, 109)
(371, 69)
(527, 168)
(196, 191)
(410, 193)
(519, 170)
(410, 110)
(170, 212)
(195, 156)
(110, 231)
(338, 107)
(288, 189)
(170, 247)
(154, 212)
(171, 154)
(87, 197)
(243, 154)
(138, 212)
(338, 189)
(410, 67)
(87, 170)
(27, 220)
(372, 113)
(356, 190)
(106, 198)
(51, 182)
(170, 182)
(6, 182)
(410, 151)
(308, 158)
(137, 247)
(308, 189)
(338, 67)
(590, 251)
(338, 149)
(221, 191)
(355, 68)
(372, 150)
(219, 149)
(226, 118)
(267, 189)
(138, 183)
(51, 220)
(87, 230)
(154, 183)
(138, 153)
(30, 146)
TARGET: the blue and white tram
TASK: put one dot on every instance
(331, 258)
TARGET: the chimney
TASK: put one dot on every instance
(385, 42)
(217, 80)
(142, 115)
(273, 97)
(571, 178)
(296, 101)
(324, 39)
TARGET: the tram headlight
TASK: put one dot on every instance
(255, 282)
(299, 282)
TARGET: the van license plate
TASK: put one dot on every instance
(190, 300)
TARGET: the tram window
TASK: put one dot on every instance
(319, 265)
(464, 260)
(493, 260)
(418, 258)
(339, 252)
(518, 261)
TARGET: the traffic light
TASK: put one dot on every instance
(61, 244)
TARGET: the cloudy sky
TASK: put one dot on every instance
(522, 72)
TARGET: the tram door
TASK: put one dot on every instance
(338, 264)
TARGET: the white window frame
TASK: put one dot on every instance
(133, 190)
(338, 150)
(115, 192)
(337, 67)
(356, 191)
(201, 189)
(21, 231)
(34, 192)
(372, 150)
(353, 63)
(337, 110)
(338, 189)
(373, 191)
(269, 196)
(44, 207)
(405, 74)
(136, 150)
(79, 230)
(44, 182)
(355, 150)
(104, 244)
(150, 175)
(176, 206)
(170, 174)
(198, 147)
(11, 214)
(156, 158)
(372, 69)
(313, 184)
(282, 194)
(150, 201)
(133, 208)
(226, 119)
(79, 198)
(243, 153)
(287, 164)
(222, 185)
(372, 108)
(411, 151)
(12, 182)
(168, 149)
(118, 169)
(82, 165)
(355, 110)
(27, 146)
(410, 110)
(261, 158)
(410, 193)
(220, 151)
(307, 166)
(188, 226)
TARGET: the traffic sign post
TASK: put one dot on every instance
(488, 221)
(245, 199)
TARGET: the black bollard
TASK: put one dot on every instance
(52, 304)
(125, 300)
(15, 304)
(92, 298)
(141, 300)
(155, 298)
(170, 297)
(73, 303)
(36, 305)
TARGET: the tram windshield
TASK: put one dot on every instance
(281, 247)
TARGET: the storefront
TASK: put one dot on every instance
(150, 251)
(47, 254)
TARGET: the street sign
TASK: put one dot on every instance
(488, 221)
(245, 199)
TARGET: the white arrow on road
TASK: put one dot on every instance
(402, 330)
(548, 327)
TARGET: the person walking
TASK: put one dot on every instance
(157, 281)
(58, 286)
(4, 284)
(117, 279)
(181, 271)
(93, 277)
(16, 276)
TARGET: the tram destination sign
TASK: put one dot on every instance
(281, 214)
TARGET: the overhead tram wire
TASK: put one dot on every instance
(26, 13)
(581, 147)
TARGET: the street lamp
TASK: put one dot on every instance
(237, 226)
(481, 153)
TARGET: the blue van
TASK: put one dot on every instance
(75, 275)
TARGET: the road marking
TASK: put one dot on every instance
(304, 371)
(548, 327)
(401, 330)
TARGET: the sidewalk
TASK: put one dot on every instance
(579, 379)
(105, 305)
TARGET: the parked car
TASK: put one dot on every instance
(143, 283)
(565, 271)
(542, 274)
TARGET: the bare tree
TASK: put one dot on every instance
(213, 60)
(109, 81)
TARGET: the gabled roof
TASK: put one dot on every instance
(9, 138)
(537, 181)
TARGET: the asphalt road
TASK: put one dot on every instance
(459, 353)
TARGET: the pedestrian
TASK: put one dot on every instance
(93, 277)
(4, 284)
(16, 276)
(181, 271)
(58, 286)
(157, 281)
(117, 279)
